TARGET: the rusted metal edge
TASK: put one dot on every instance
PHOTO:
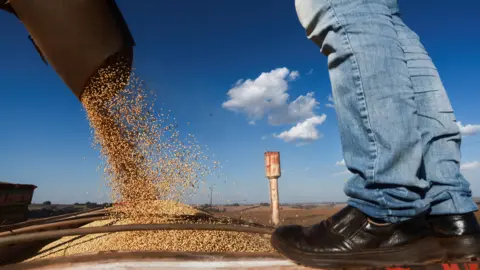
(85, 218)
(48, 219)
(117, 256)
(51, 226)
(15, 185)
(148, 256)
(37, 236)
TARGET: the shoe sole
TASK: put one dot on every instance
(420, 253)
(461, 249)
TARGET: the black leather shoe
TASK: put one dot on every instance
(349, 239)
(459, 236)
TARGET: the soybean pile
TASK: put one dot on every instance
(174, 240)
(148, 168)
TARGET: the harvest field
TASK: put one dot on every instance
(298, 214)
(254, 213)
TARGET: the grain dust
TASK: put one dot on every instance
(145, 159)
(148, 168)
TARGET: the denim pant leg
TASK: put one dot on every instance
(449, 192)
(374, 101)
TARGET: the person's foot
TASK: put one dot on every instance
(349, 239)
(459, 235)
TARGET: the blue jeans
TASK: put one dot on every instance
(398, 130)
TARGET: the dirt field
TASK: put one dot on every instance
(303, 215)
(42, 210)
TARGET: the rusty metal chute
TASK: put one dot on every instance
(75, 37)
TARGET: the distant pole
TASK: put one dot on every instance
(273, 172)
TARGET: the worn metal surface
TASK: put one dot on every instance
(187, 260)
(54, 226)
(19, 251)
(38, 236)
(76, 37)
(14, 201)
(272, 165)
(52, 219)
(15, 193)
(161, 260)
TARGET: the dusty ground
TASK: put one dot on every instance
(303, 215)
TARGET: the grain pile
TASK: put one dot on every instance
(148, 168)
(181, 240)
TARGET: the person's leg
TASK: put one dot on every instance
(376, 111)
(374, 101)
(451, 214)
(449, 192)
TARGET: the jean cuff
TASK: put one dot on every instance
(387, 215)
(458, 203)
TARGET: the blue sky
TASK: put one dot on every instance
(192, 53)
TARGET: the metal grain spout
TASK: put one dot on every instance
(76, 37)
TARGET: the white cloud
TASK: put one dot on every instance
(304, 131)
(310, 72)
(298, 110)
(266, 96)
(468, 130)
(293, 75)
(340, 163)
(331, 104)
(470, 166)
(256, 97)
